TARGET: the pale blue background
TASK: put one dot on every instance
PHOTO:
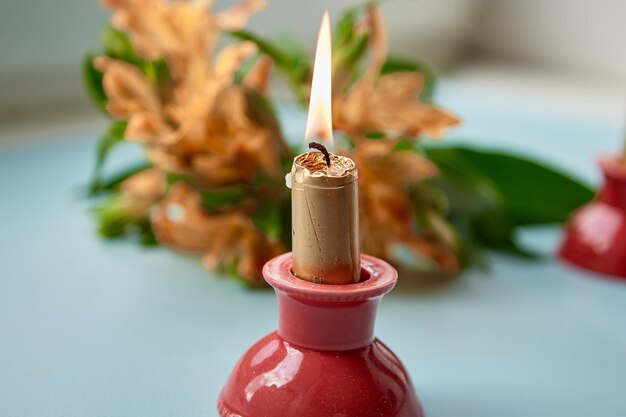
(95, 328)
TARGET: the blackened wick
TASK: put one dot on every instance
(322, 149)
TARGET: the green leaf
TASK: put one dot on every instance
(216, 199)
(493, 193)
(475, 207)
(285, 219)
(292, 66)
(146, 234)
(533, 193)
(156, 72)
(117, 219)
(114, 216)
(117, 45)
(111, 138)
(172, 178)
(349, 46)
(262, 110)
(92, 78)
(279, 56)
(396, 64)
(375, 135)
(113, 181)
(405, 145)
(471, 194)
(268, 219)
(344, 28)
(293, 47)
(347, 56)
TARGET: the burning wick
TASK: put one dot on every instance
(322, 149)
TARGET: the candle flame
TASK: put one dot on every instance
(320, 122)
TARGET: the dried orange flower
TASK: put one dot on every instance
(387, 215)
(225, 239)
(386, 103)
(389, 105)
(197, 123)
(189, 123)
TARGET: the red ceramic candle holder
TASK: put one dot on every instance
(595, 237)
(324, 359)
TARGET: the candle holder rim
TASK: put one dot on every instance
(382, 279)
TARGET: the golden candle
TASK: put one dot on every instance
(325, 219)
(324, 193)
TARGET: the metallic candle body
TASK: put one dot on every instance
(325, 222)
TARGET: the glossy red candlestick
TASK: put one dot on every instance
(323, 360)
(595, 237)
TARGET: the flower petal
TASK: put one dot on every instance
(237, 16)
(148, 185)
(231, 57)
(258, 78)
(180, 222)
(127, 89)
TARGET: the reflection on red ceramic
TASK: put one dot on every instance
(323, 360)
(595, 238)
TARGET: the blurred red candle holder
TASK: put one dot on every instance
(595, 237)
(324, 359)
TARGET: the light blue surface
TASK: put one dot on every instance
(94, 328)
